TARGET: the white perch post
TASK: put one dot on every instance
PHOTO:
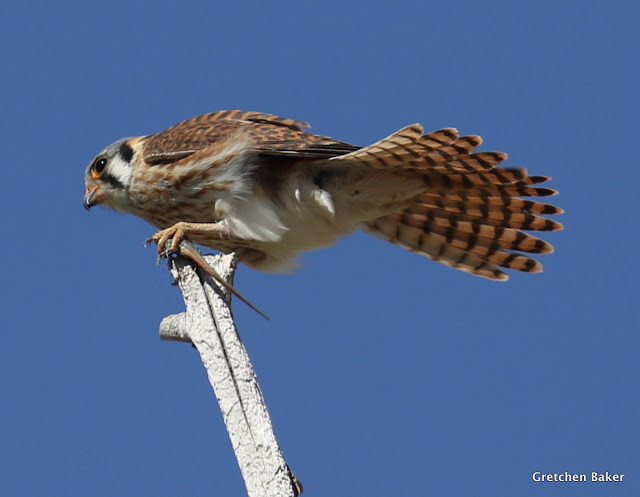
(208, 324)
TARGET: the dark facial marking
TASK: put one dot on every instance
(112, 180)
(126, 152)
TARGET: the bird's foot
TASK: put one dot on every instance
(168, 240)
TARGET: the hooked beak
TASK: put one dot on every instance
(89, 197)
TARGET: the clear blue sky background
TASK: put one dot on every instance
(385, 374)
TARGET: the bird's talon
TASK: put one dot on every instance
(166, 250)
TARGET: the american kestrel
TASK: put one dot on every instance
(259, 185)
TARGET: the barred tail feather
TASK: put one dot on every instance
(413, 239)
(501, 211)
(437, 152)
(469, 214)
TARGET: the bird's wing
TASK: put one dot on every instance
(268, 134)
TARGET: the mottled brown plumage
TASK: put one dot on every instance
(269, 134)
(262, 186)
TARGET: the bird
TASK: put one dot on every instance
(264, 187)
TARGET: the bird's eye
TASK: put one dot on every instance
(98, 167)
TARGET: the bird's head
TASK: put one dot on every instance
(108, 175)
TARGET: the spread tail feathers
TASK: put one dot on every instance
(469, 215)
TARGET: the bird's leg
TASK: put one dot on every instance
(179, 231)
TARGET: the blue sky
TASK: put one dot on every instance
(385, 373)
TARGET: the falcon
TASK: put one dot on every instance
(263, 187)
